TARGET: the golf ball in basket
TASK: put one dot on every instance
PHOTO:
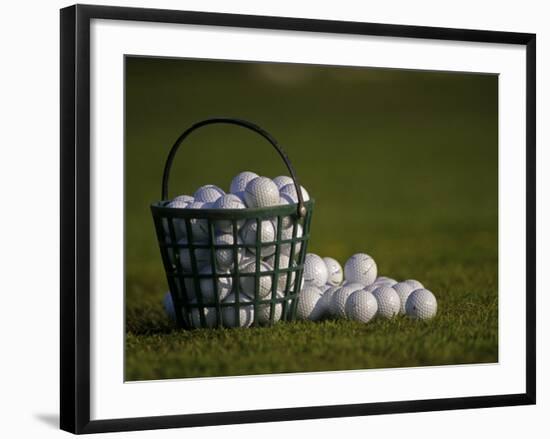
(339, 299)
(264, 311)
(244, 313)
(403, 289)
(286, 221)
(335, 271)
(388, 301)
(208, 194)
(199, 226)
(181, 201)
(202, 257)
(209, 285)
(309, 307)
(284, 262)
(288, 234)
(415, 284)
(261, 192)
(248, 283)
(210, 314)
(168, 305)
(421, 304)
(290, 190)
(228, 201)
(361, 306)
(268, 233)
(360, 268)
(225, 257)
(315, 270)
(239, 182)
(282, 180)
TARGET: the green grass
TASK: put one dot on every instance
(403, 166)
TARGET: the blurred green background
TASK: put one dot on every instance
(403, 165)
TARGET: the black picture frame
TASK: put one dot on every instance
(75, 217)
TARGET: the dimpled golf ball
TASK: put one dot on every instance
(309, 307)
(225, 257)
(244, 313)
(286, 221)
(228, 201)
(264, 311)
(181, 201)
(415, 284)
(208, 193)
(339, 298)
(315, 270)
(335, 271)
(421, 304)
(288, 234)
(326, 299)
(268, 233)
(261, 192)
(383, 280)
(248, 283)
(282, 180)
(284, 262)
(199, 226)
(403, 289)
(290, 190)
(210, 285)
(361, 306)
(239, 182)
(168, 305)
(388, 301)
(360, 268)
(210, 314)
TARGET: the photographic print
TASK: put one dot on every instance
(392, 261)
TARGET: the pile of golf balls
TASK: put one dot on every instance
(247, 190)
(356, 292)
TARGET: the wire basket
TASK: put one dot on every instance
(231, 283)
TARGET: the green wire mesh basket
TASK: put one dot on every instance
(252, 292)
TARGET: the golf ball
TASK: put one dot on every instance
(290, 190)
(239, 182)
(243, 316)
(309, 307)
(282, 180)
(326, 299)
(403, 289)
(388, 301)
(248, 280)
(210, 285)
(208, 194)
(210, 314)
(250, 236)
(284, 262)
(228, 201)
(339, 299)
(199, 226)
(335, 271)
(264, 311)
(202, 257)
(181, 201)
(315, 270)
(261, 192)
(360, 268)
(225, 257)
(288, 234)
(415, 284)
(168, 305)
(361, 306)
(421, 304)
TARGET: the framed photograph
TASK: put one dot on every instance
(275, 218)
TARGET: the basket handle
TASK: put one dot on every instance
(242, 123)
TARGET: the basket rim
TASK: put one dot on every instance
(159, 209)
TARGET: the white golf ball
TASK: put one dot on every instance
(202, 257)
(421, 304)
(339, 298)
(309, 307)
(181, 201)
(383, 280)
(415, 284)
(290, 190)
(199, 226)
(268, 233)
(287, 234)
(284, 262)
(244, 314)
(286, 221)
(388, 301)
(228, 201)
(315, 270)
(326, 299)
(248, 283)
(225, 257)
(261, 192)
(168, 305)
(403, 289)
(208, 193)
(360, 268)
(361, 306)
(282, 180)
(335, 271)
(239, 182)
(208, 286)
(264, 311)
